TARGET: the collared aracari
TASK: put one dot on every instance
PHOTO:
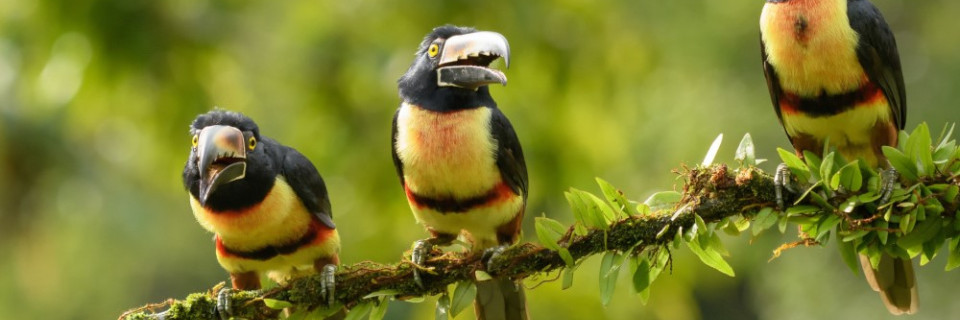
(265, 203)
(834, 75)
(457, 156)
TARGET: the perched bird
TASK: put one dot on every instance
(457, 156)
(265, 202)
(833, 72)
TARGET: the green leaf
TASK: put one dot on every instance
(868, 197)
(643, 209)
(592, 210)
(944, 153)
(901, 162)
(301, 314)
(567, 277)
(566, 256)
(827, 224)
(851, 203)
(616, 198)
(710, 257)
(931, 248)
(463, 295)
(923, 231)
(951, 194)
(782, 223)
(321, 312)
(802, 210)
(882, 233)
(745, 151)
(277, 304)
(849, 177)
(549, 232)
(918, 149)
(795, 164)
(443, 308)
(953, 261)
(945, 134)
(826, 167)
(813, 162)
(712, 153)
(481, 275)
(663, 200)
(417, 299)
(735, 225)
(742, 223)
(849, 254)
(764, 220)
(609, 270)
(576, 206)
(849, 236)
(715, 244)
(701, 225)
(659, 263)
(606, 214)
(641, 277)
(361, 310)
(379, 309)
(381, 293)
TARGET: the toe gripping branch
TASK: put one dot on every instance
(421, 251)
(783, 180)
(328, 284)
(888, 181)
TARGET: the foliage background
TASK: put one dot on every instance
(96, 96)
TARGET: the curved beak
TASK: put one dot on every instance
(222, 158)
(465, 60)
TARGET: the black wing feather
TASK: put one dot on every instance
(513, 168)
(303, 177)
(393, 148)
(773, 83)
(877, 53)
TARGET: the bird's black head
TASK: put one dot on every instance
(451, 69)
(229, 167)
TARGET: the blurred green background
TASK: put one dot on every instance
(96, 96)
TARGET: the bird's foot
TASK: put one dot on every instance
(492, 253)
(888, 182)
(421, 250)
(328, 283)
(782, 180)
(224, 304)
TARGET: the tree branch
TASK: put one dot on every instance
(713, 193)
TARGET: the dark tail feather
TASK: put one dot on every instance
(895, 281)
(500, 299)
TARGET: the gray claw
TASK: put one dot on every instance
(421, 249)
(224, 306)
(781, 181)
(492, 253)
(329, 283)
(888, 182)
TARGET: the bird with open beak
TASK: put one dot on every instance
(458, 158)
(265, 202)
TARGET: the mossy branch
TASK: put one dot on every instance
(713, 193)
(841, 199)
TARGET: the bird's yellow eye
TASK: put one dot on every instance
(433, 50)
(196, 139)
(252, 143)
